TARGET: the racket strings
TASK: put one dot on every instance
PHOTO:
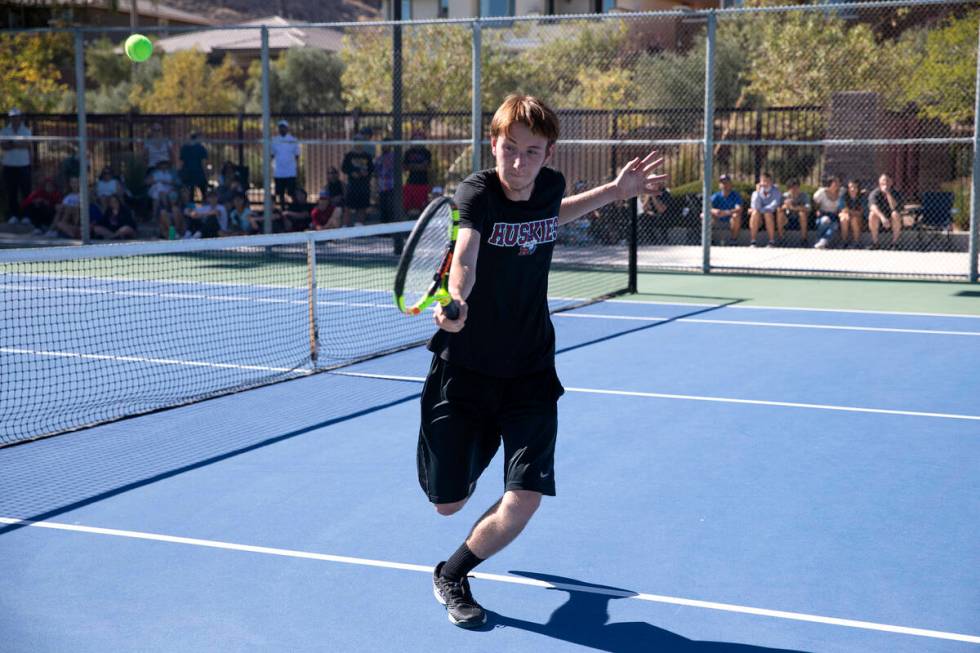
(428, 256)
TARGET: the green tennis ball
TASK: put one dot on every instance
(138, 47)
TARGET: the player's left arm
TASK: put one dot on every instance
(637, 176)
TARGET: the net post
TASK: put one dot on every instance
(311, 285)
(709, 142)
(975, 189)
(266, 138)
(633, 237)
(476, 120)
(83, 208)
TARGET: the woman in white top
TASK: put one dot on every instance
(828, 200)
(105, 187)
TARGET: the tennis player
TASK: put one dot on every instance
(492, 375)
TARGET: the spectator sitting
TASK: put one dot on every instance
(193, 157)
(105, 187)
(67, 215)
(885, 204)
(852, 214)
(765, 203)
(39, 207)
(157, 147)
(171, 212)
(828, 201)
(657, 211)
(325, 215)
(116, 223)
(297, 214)
(334, 187)
(797, 202)
(161, 181)
(726, 208)
(210, 219)
(417, 160)
(241, 216)
(608, 226)
(358, 166)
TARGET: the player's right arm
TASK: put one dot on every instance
(462, 276)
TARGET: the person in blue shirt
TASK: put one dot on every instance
(726, 208)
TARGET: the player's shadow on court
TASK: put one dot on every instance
(584, 620)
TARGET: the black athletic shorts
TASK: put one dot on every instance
(465, 415)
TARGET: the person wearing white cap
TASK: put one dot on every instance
(285, 154)
(16, 166)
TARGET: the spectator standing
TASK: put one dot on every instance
(39, 207)
(193, 159)
(417, 160)
(358, 166)
(69, 167)
(828, 201)
(852, 214)
(16, 166)
(116, 222)
(285, 154)
(726, 208)
(158, 148)
(795, 202)
(885, 204)
(325, 215)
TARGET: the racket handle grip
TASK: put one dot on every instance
(451, 310)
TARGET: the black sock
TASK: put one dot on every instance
(460, 563)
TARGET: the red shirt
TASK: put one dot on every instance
(322, 216)
(53, 198)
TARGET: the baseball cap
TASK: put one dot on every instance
(282, 123)
(13, 112)
(724, 177)
(436, 190)
(324, 195)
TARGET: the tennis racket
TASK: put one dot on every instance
(423, 271)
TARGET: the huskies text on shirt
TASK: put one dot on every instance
(508, 330)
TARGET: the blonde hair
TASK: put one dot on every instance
(528, 111)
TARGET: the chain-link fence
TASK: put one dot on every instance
(840, 139)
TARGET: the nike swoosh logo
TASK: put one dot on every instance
(545, 474)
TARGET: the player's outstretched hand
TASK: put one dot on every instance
(444, 323)
(639, 176)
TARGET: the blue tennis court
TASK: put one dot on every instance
(730, 478)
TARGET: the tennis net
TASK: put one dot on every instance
(93, 334)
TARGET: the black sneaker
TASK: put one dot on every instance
(461, 607)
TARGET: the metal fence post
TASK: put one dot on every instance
(83, 207)
(709, 142)
(266, 138)
(975, 190)
(476, 124)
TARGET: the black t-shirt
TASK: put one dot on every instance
(418, 155)
(193, 155)
(359, 162)
(508, 331)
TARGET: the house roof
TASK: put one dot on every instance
(297, 35)
(144, 9)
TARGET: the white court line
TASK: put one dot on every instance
(724, 400)
(500, 578)
(785, 325)
(793, 308)
(156, 361)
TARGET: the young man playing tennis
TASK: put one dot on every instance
(493, 376)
